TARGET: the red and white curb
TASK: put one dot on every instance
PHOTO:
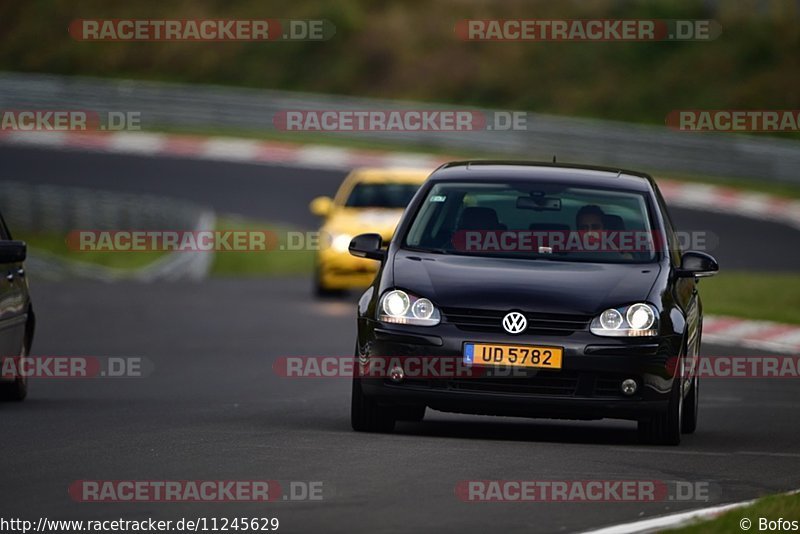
(680, 519)
(221, 149)
(766, 335)
(680, 194)
(721, 199)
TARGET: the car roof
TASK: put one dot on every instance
(578, 175)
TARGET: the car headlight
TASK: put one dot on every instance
(640, 316)
(399, 307)
(341, 242)
(630, 321)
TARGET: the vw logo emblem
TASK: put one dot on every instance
(515, 323)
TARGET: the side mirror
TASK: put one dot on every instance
(321, 206)
(13, 251)
(367, 246)
(697, 264)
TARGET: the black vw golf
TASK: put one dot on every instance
(533, 290)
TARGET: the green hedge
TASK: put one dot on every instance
(408, 49)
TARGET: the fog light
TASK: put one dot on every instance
(629, 386)
(396, 374)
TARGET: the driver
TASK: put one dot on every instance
(590, 221)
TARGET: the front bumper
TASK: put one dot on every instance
(588, 386)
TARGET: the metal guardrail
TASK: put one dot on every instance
(57, 210)
(41, 208)
(649, 148)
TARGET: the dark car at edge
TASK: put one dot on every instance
(17, 320)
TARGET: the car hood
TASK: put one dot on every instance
(530, 285)
(363, 221)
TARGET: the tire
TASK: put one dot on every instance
(665, 428)
(366, 415)
(17, 390)
(691, 407)
(410, 413)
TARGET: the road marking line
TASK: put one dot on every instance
(776, 454)
(673, 520)
(669, 451)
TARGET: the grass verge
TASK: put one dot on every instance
(230, 263)
(752, 295)
(261, 264)
(772, 508)
(56, 245)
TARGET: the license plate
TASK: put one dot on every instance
(513, 355)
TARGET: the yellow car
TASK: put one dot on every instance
(368, 201)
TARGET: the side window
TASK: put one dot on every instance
(675, 251)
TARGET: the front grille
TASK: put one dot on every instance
(551, 324)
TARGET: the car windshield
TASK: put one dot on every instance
(530, 220)
(374, 195)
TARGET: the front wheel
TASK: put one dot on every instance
(689, 421)
(366, 415)
(18, 389)
(665, 428)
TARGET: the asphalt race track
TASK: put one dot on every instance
(282, 194)
(212, 408)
